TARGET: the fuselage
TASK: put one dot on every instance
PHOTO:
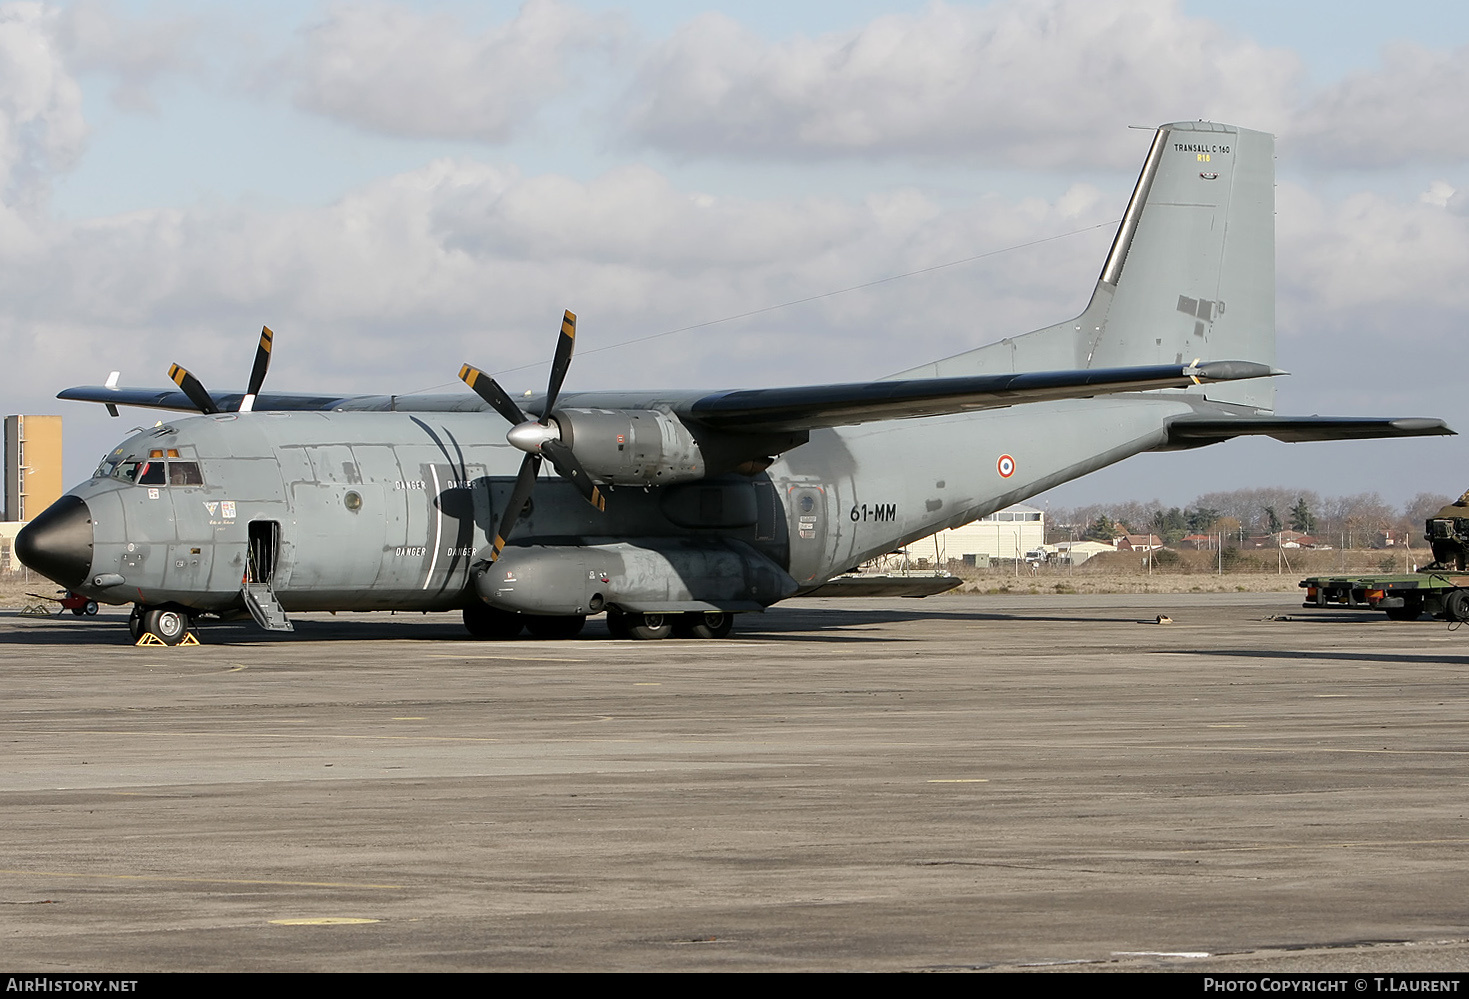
(376, 511)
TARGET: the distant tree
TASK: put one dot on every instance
(1102, 529)
(1272, 520)
(1419, 509)
(1231, 528)
(1300, 517)
(1200, 519)
(1170, 525)
(1359, 517)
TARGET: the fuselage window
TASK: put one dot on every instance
(152, 474)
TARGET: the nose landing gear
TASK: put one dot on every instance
(160, 626)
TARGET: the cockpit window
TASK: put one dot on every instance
(122, 469)
(184, 473)
(159, 468)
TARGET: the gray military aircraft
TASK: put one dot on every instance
(673, 511)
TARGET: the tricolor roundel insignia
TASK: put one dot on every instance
(1005, 466)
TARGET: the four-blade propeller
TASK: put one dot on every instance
(199, 395)
(537, 438)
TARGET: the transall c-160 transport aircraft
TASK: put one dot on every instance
(673, 511)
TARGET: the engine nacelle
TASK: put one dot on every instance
(631, 447)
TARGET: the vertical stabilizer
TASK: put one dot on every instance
(1191, 272)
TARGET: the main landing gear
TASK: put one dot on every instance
(167, 624)
(699, 624)
(484, 621)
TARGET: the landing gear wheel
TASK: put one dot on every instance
(135, 622)
(703, 624)
(166, 625)
(648, 627)
(555, 626)
(484, 621)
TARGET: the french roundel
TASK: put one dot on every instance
(1005, 466)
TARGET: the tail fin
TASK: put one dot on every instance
(1191, 272)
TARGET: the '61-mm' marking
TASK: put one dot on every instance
(885, 512)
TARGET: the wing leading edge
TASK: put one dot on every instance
(815, 406)
(229, 402)
(761, 410)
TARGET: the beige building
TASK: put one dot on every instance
(8, 561)
(1004, 534)
(32, 465)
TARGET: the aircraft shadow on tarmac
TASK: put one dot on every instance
(787, 624)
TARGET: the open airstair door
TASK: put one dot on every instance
(264, 547)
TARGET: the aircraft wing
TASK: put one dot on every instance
(755, 410)
(173, 399)
(1193, 431)
(814, 406)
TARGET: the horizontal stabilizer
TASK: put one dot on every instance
(814, 406)
(1190, 431)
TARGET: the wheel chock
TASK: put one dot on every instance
(35, 610)
(151, 639)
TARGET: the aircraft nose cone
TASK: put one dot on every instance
(58, 543)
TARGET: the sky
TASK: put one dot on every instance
(398, 188)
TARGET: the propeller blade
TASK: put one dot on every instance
(257, 373)
(564, 345)
(192, 387)
(490, 391)
(565, 462)
(519, 496)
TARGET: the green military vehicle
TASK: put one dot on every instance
(1440, 590)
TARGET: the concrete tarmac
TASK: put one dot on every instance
(866, 785)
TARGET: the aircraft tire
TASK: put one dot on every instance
(135, 622)
(484, 621)
(703, 624)
(649, 627)
(165, 624)
(555, 626)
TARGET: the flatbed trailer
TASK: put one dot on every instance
(1404, 596)
(1441, 590)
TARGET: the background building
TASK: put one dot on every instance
(32, 465)
(1004, 534)
(8, 561)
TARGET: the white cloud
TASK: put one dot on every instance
(392, 287)
(1369, 253)
(1027, 83)
(1410, 108)
(134, 51)
(396, 70)
(42, 130)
